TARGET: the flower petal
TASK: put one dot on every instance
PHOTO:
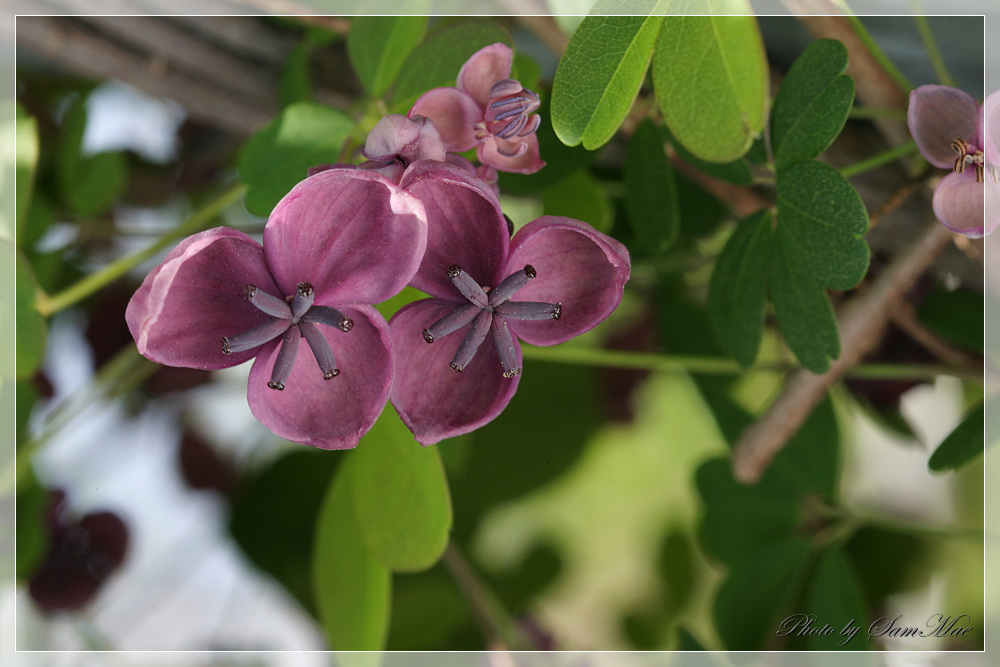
(575, 265)
(454, 115)
(194, 298)
(519, 157)
(351, 233)
(938, 115)
(958, 203)
(989, 128)
(434, 401)
(335, 413)
(411, 139)
(483, 69)
(465, 227)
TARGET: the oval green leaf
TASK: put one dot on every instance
(650, 189)
(822, 222)
(599, 76)
(30, 332)
(966, 442)
(812, 104)
(277, 157)
(352, 589)
(378, 47)
(835, 598)
(401, 497)
(710, 76)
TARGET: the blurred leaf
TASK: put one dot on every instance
(400, 497)
(526, 70)
(599, 76)
(687, 641)
(957, 316)
(414, 629)
(881, 577)
(736, 172)
(379, 45)
(812, 104)
(26, 394)
(965, 443)
(26, 162)
(277, 157)
(31, 332)
(275, 528)
(295, 83)
(517, 588)
(32, 535)
(677, 568)
(650, 190)
(353, 590)
(713, 111)
(755, 595)
(701, 212)
(739, 284)
(579, 196)
(89, 183)
(834, 597)
(436, 61)
(822, 223)
(810, 462)
(803, 311)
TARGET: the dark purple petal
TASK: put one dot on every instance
(352, 234)
(334, 413)
(575, 265)
(483, 69)
(195, 298)
(520, 156)
(938, 115)
(465, 227)
(453, 113)
(958, 203)
(433, 400)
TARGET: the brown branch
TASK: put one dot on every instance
(861, 326)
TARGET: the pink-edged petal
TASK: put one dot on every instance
(483, 69)
(434, 401)
(334, 413)
(454, 115)
(195, 298)
(938, 115)
(958, 203)
(989, 128)
(519, 157)
(575, 265)
(464, 226)
(353, 234)
(411, 139)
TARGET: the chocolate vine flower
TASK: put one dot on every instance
(458, 355)
(488, 111)
(340, 240)
(949, 127)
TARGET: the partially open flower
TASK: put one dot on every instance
(339, 241)
(950, 129)
(458, 355)
(488, 111)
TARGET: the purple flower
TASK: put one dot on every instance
(487, 111)
(949, 127)
(458, 356)
(340, 240)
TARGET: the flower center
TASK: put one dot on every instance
(509, 110)
(293, 317)
(967, 156)
(488, 309)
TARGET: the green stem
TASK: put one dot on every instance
(862, 32)
(494, 621)
(877, 161)
(680, 363)
(933, 52)
(850, 521)
(49, 305)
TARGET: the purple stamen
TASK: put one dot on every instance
(330, 317)
(511, 284)
(506, 87)
(505, 347)
(513, 127)
(529, 310)
(255, 337)
(302, 301)
(267, 303)
(451, 322)
(530, 126)
(469, 288)
(286, 359)
(473, 339)
(321, 349)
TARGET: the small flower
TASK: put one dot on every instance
(339, 241)
(487, 111)
(458, 355)
(949, 127)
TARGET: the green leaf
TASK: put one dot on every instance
(810, 462)
(277, 157)
(30, 332)
(89, 183)
(835, 598)
(26, 162)
(804, 313)
(812, 104)
(756, 595)
(30, 519)
(957, 315)
(581, 197)
(822, 222)
(650, 189)
(295, 83)
(710, 76)
(352, 589)
(400, 497)
(599, 77)
(737, 292)
(965, 443)
(378, 47)
(438, 59)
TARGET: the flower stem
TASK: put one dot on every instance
(933, 52)
(49, 305)
(496, 625)
(880, 159)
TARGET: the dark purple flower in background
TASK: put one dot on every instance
(339, 241)
(949, 127)
(458, 355)
(488, 111)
